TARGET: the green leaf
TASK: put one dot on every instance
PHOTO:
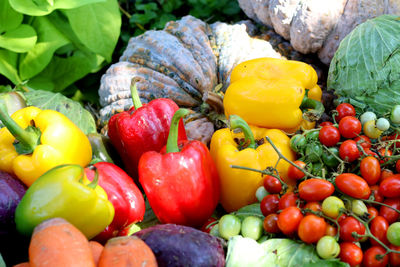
(50, 39)
(20, 39)
(249, 210)
(45, 7)
(8, 65)
(101, 34)
(61, 72)
(70, 108)
(9, 18)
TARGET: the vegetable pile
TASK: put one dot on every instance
(281, 182)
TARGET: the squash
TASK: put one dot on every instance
(314, 25)
(189, 62)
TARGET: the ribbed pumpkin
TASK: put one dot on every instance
(189, 62)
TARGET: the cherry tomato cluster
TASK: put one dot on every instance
(347, 195)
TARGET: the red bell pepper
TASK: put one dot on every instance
(123, 193)
(181, 183)
(142, 128)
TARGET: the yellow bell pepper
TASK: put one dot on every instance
(270, 92)
(238, 187)
(35, 140)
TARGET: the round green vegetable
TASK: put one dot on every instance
(395, 114)
(329, 159)
(331, 206)
(261, 193)
(393, 234)
(313, 152)
(229, 225)
(367, 116)
(327, 247)
(252, 227)
(297, 143)
(382, 124)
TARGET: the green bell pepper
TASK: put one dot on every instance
(65, 192)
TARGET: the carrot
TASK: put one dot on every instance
(96, 248)
(23, 264)
(56, 242)
(127, 251)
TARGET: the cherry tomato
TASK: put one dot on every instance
(325, 123)
(289, 220)
(353, 185)
(344, 109)
(288, 200)
(370, 169)
(369, 152)
(294, 173)
(327, 247)
(370, 129)
(348, 226)
(329, 135)
(398, 166)
(209, 224)
(331, 206)
(370, 257)
(394, 258)
(348, 151)
(314, 151)
(314, 206)
(378, 228)
(390, 187)
(269, 204)
(384, 153)
(390, 215)
(375, 190)
(330, 230)
(312, 136)
(349, 127)
(350, 253)
(272, 184)
(271, 224)
(385, 173)
(311, 228)
(373, 212)
(252, 227)
(393, 234)
(229, 225)
(329, 158)
(364, 141)
(315, 189)
(297, 143)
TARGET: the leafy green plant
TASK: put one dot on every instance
(50, 44)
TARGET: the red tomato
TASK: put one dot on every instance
(349, 127)
(329, 135)
(348, 151)
(375, 190)
(208, 225)
(348, 226)
(289, 220)
(314, 205)
(364, 141)
(288, 200)
(373, 212)
(315, 189)
(384, 153)
(394, 258)
(271, 224)
(370, 260)
(370, 169)
(269, 204)
(389, 214)
(353, 185)
(294, 173)
(311, 228)
(390, 187)
(369, 152)
(344, 109)
(350, 253)
(272, 184)
(325, 123)
(330, 230)
(385, 173)
(378, 227)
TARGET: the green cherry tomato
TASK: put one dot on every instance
(357, 206)
(367, 116)
(395, 114)
(252, 227)
(261, 193)
(313, 152)
(329, 159)
(297, 143)
(382, 124)
(229, 226)
(312, 136)
(316, 168)
(393, 234)
(327, 247)
(331, 206)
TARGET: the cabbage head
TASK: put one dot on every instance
(365, 70)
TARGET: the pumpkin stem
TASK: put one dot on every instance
(237, 122)
(135, 96)
(214, 100)
(172, 142)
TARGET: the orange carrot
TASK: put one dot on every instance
(127, 251)
(96, 248)
(56, 242)
(23, 264)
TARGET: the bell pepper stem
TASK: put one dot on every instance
(317, 109)
(99, 150)
(172, 141)
(95, 180)
(237, 122)
(135, 95)
(29, 139)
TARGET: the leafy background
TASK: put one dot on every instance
(82, 44)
